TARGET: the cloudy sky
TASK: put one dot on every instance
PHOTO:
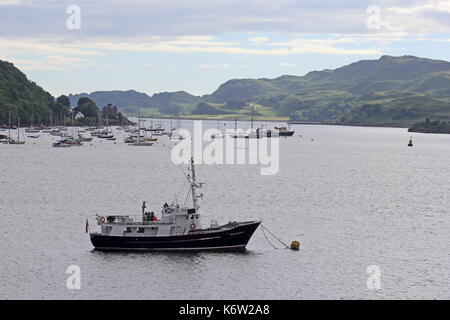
(195, 45)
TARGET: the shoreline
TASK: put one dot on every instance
(282, 120)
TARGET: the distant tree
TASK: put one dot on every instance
(83, 100)
(87, 107)
(63, 100)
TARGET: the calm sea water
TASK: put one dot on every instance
(353, 197)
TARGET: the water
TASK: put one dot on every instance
(353, 197)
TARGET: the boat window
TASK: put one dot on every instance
(128, 229)
(140, 230)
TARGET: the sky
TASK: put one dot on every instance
(195, 45)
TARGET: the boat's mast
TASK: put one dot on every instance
(18, 128)
(253, 110)
(193, 185)
(9, 130)
(139, 124)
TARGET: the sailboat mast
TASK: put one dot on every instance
(253, 110)
(18, 128)
(139, 125)
(9, 124)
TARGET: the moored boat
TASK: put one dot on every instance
(285, 131)
(178, 228)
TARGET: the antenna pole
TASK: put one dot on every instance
(193, 185)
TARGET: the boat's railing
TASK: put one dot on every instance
(129, 220)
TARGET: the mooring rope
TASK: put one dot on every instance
(264, 228)
(267, 239)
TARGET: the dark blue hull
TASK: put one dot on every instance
(235, 237)
(286, 133)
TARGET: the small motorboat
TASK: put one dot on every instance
(285, 131)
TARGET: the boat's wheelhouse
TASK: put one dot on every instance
(174, 220)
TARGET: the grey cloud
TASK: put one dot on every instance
(133, 18)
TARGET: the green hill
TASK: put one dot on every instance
(403, 90)
(126, 101)
(24, 98)
(385, 91)
(130, 101)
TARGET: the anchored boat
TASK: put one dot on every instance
(178, 228)
(285, 131)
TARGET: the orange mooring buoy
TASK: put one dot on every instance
(295, 245)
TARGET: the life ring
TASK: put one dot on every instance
(102, 219)
(193, 226)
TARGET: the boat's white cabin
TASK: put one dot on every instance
(174, 220)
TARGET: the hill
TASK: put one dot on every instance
(389, 90)
(126, 101)
(25, 99)
(385, 91)
(130, 101)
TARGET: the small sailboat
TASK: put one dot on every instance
(3, 139)
(410, 143)
(12, 141)
(157, 130)
(32, 129)
(107, 133)
(141, 142)
(175, 133)
(218, 134)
